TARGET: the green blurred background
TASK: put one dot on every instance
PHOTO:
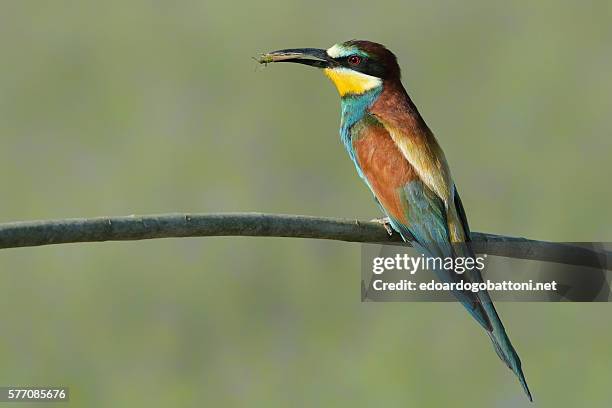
(116, 108)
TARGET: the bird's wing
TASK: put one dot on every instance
(416, 209)
(421, 149)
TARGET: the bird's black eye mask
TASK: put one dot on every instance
(365, 65)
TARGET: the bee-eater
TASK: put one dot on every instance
(400, 160)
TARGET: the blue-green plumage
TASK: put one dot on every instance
(353, 110)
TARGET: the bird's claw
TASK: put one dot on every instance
(385, 222)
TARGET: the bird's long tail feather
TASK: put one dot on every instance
(481, 307)
(503, 347)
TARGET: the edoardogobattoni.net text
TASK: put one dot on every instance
(407, 285)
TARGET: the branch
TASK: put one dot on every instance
(133, 227)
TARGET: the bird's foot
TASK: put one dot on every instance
(385, 222)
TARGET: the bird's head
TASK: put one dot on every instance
(355, 66)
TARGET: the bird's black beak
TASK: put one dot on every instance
(308, 56)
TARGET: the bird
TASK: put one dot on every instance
(400, 160)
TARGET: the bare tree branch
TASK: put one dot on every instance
(137, 227)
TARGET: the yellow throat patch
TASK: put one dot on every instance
(348, 81)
